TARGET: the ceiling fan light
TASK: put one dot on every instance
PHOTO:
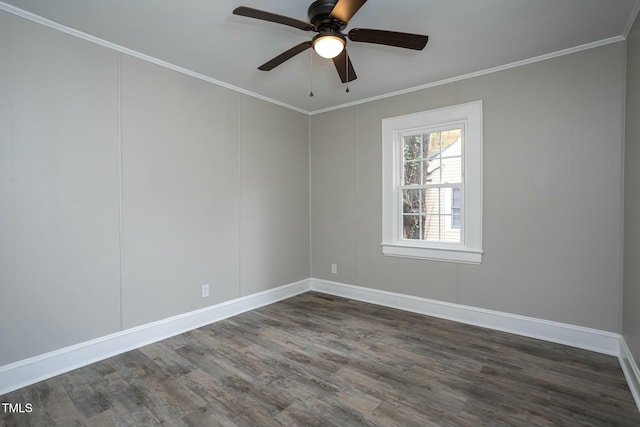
(328, 46)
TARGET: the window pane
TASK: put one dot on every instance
(432, 149)
(433, 172)
(432, 201)
(430, 228)
(456, 204)
(412, 173)
(451, 170)
(449, 234)
(449, 137)
(412, 147)
(412, 201)
(411, 225)
(445, 201)
(428, 176)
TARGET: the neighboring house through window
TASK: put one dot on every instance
(432, 184)
(455, 207)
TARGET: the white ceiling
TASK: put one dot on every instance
(466, 36)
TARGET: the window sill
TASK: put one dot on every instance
(464, 256)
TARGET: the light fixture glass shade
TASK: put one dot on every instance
(328, 46)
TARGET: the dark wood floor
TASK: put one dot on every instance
(320, 360)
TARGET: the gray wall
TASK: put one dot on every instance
(125, 186)
(552, 193)
(631, 307)
(274, 234)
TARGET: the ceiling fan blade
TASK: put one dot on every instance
(272, 17)
(342, 63)
(345, 9)
(389, 38)
(270, 65)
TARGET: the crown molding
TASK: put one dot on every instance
(632, 19)
(486, 71)
(73, 32)
(133, 53)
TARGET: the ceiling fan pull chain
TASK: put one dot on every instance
(311, 73)
(346, 65)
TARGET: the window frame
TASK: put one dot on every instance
(469, 250)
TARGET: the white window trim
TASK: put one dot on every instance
(470, 249)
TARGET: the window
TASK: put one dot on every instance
(432, 184)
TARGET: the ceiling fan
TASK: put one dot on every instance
(328, 18)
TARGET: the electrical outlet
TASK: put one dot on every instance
(205, 290)
(334, 268)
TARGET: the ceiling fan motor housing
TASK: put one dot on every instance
(320, 16)
(329, 34)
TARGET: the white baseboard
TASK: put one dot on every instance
(32, 370)
(29, 371)
(631, 371)
(561, 333)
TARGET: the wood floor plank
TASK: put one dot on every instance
(319, 360)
